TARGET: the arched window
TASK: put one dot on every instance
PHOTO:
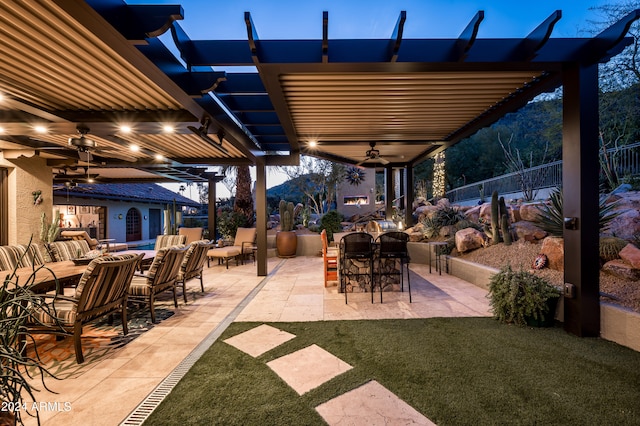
(134, 225)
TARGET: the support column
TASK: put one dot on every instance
(211, 211)
(388, 192)
(409, 196)
(261, 217)
(580, 192)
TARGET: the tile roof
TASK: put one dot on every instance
(144, 192)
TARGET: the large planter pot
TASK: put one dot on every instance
(286, 243)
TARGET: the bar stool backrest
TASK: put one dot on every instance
(357, 245)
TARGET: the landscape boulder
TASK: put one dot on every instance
(553, 248)
(621, 269)
(528, 231)
(631, 255)
(473, 214)
(530, 211)
(468, 239)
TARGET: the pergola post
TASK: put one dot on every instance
(261, 217)
(580, 150)
(389, 193)
(211, 211)
(409, 196)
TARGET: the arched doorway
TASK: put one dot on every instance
(134, 225)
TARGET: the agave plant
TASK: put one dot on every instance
(551, 218)
(17, 301)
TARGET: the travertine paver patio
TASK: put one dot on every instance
(106, 392)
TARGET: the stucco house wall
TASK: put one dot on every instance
(25, 176)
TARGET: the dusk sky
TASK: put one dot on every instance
(302, 19)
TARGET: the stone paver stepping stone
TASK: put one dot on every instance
(308, 368)
(370, 405)
(259, 340)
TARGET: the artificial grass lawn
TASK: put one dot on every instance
(455, 371)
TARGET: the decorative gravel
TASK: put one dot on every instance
(521, 254)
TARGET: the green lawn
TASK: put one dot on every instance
(455, 371)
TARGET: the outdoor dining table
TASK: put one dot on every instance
(46, 275)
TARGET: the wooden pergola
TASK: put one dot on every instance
(100, 62)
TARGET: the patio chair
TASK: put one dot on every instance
(330, 259)
(68, 250)
(81, 235)
(392, 246)
(102, 290)
(163, 241)
(193, 264)
(160, 277)
(192, 234)
(242, 245)
(20, 256)
(357, 246)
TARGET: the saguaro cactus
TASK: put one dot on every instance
(286, 215)
(493, 230)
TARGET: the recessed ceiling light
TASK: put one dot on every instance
(159, 157)
(125, 129)
(167, 128)
(1, 129)
(40, 129)
(134, 148)
(313, 144)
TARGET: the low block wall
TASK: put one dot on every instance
(617, 324)
(308, 245)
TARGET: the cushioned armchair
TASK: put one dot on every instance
(68, 250)
(242, 245)
(192, 265)
(163, 241)
(192, 234)
(162, 276)
(81, 235)
(20, 256)
(102, 290)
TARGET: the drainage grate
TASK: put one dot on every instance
(153, 400)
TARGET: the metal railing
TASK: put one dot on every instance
(625, 160)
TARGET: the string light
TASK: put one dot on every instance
(439, 175)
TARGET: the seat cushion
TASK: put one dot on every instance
(139, 286)
(17, 256)
(68, 250)
(224, 252)
(65, 312)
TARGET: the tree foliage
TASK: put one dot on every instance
(317, 179)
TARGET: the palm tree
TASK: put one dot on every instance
(243, 202)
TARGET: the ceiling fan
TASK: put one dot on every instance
(373, 156)
(88, 146)
(70, 176)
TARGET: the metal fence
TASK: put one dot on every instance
(625, 160)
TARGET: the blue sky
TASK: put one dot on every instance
(289, 19)
(302, 19)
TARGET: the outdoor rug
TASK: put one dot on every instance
(99, 340)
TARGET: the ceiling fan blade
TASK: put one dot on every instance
(383, 161)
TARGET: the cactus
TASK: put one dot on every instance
(609, 248)
(286, 215)
(49, 231)
(504, 222)
(493, 231)
(506, 234)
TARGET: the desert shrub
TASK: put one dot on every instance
(519, 296)
(551, 218)
(445, 216)
(431, 227)
(331, 222)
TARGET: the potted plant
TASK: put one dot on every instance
(17, 301)
(286, 238)
(522, 298)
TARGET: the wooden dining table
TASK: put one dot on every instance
(43, 278)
